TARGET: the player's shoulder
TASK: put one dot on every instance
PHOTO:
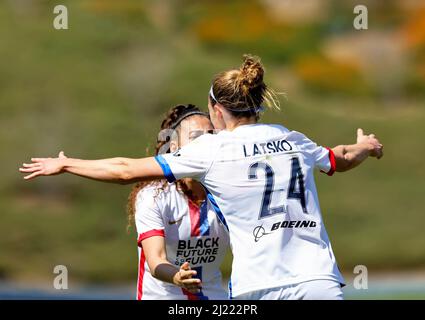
(159, 197)
(296, 135)
(302, 141)
(289, 135)
(277, 129)
(265, 129)
(156, 190)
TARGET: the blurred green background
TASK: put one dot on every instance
(101, 88)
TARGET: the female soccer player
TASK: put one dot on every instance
(177, 226)
(259, 179)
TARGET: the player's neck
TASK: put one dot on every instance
(232, 124)
(196, 188)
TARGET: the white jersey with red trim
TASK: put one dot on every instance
(192, 234)
(260, 180)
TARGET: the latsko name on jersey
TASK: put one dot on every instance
(273, 146)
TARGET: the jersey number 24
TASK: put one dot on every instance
(296, 177)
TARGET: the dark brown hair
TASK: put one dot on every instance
(172, 117)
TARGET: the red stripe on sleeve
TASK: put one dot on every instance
(141, 274)
(149, 234)
(332, 161)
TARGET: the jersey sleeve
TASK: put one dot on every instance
(191, 161)
(148, 215)
(323, 157)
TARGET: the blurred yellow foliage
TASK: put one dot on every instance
(323, 73)
(108, 6)
(246, 23)
(414, 30)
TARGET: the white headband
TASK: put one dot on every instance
(254, 109)
(212, 94)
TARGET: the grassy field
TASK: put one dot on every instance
(100, 89)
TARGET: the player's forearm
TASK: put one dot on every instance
(114, 170)
(117, 170)
(350, 156)
(156, 257)
(165, 271)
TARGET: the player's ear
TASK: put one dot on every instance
(218, 109)
(173, 146)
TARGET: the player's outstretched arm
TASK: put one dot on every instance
(116, 170)
(162, 269)
(350, 156)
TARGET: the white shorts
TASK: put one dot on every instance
(309, 290)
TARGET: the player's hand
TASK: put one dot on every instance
(376, 148)
(43, 166)
(184, 279)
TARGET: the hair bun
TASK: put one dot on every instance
(251, 73)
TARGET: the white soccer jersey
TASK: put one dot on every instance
(192, 234)
(260, 181)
